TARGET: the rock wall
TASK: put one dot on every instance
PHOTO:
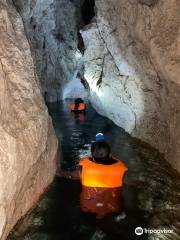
(28, 145)
(52, 29)
(132, 67)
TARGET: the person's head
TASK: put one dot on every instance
(101, 152)
(78, 100)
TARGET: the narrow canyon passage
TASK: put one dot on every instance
(152, 204)
(123, 58)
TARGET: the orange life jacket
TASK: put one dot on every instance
(101, 187)
(100, 175)
(81, 107)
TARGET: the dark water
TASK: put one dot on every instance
(151, 199)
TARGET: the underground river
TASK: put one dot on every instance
(153, 203)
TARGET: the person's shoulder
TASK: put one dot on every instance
(120, 162)
(84, 160)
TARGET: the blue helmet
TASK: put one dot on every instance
(99, 137)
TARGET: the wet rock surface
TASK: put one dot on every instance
(132, 67)
(28, 144)
(151, 200)
(52, 29)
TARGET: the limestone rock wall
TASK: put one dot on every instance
(28, 144)
(52, 29)
(132, 66)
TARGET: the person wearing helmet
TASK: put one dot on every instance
(102, 181)
(101, 177)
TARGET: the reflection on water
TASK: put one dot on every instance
(153, 202)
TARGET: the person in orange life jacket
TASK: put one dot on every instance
(78, 106)
(102, 179)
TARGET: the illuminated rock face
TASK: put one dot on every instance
(52, 29)
(132, 66)
(28, 145)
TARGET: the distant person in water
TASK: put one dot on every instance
(101, 177)
(78, 106)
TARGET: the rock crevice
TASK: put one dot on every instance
(139, 89)
(52, 29)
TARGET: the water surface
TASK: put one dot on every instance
(151, 199)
